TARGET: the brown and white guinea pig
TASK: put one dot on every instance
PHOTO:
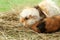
(47, 25)
(32, 16)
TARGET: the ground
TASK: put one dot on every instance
(12, 29)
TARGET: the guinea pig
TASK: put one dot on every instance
(47, 25)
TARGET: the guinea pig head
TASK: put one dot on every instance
(29, 16)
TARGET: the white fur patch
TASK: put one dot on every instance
(29, 11)
(49, 7)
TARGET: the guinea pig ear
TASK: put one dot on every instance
(40, 11)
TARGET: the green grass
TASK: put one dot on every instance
(6, 5)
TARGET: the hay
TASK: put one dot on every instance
(11, 29)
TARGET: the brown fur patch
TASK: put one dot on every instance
(52, 24)
(34, 27)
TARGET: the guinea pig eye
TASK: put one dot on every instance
(26, 18)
